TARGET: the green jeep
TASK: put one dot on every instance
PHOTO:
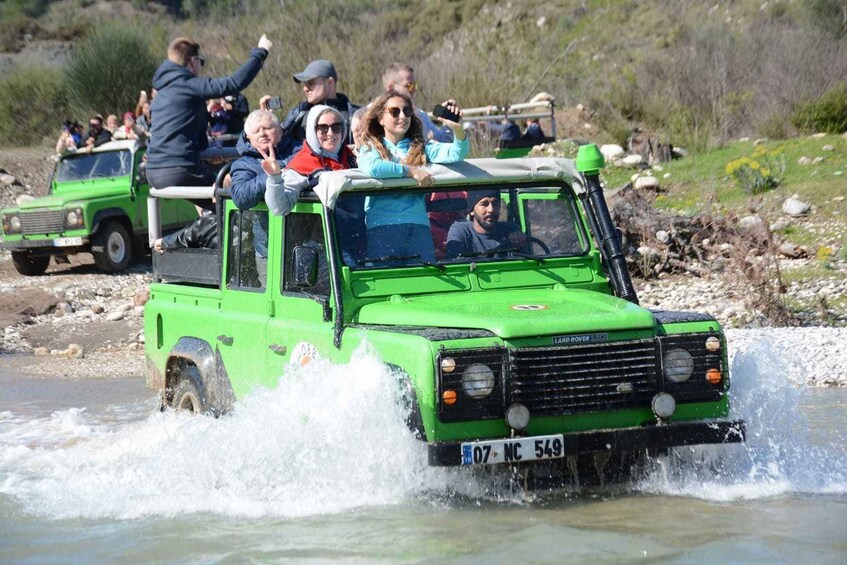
(537, 355)
(96, 203)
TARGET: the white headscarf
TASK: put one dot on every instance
(312, 135)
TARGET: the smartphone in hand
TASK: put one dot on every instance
(441, 112)
(275, 102)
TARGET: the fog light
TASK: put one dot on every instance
(449, 397)
(448, 365)
(517, 416)
(663, 405)
(678, 364)
(714, 376)
(478, 380)
(713, 344)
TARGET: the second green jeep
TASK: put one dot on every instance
(96, 203)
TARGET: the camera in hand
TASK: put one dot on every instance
(441, 112)
(275, 102)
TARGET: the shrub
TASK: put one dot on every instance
(107, 70)
(31, 105)
(762, 171)
(826, 114)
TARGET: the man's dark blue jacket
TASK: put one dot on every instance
(248, 184)
(179, 110)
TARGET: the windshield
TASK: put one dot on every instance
(94, 166)
(443, 227)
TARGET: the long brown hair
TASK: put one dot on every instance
(372, 131)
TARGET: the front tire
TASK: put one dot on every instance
(30, 265)
(116, 246)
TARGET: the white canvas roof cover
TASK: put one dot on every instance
(468, 172)
(117, 145)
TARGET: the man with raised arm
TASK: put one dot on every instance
(178, 133)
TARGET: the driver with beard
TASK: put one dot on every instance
(484, 231)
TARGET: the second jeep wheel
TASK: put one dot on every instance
(30, 265)
(116, 247)
(186, 396)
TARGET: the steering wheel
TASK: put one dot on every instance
(540, 244)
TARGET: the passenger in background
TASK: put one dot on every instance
(320, 82)
(533, 130)
(112, 123)
(128, 130)
(401, 78)
(393, 146)
(97, 136)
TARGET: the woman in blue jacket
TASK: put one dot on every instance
(392, 146)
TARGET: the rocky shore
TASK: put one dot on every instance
(75, 322)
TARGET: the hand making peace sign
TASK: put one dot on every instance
(269, 163)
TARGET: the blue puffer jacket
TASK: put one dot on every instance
(178, 111)
(248, 184)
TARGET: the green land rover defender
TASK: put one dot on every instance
(96, 203)
(536, 354)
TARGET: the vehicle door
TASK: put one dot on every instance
(245, 300)
(301, 329)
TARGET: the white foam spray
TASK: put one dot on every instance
(778, 457)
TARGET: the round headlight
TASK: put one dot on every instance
(15, 223)
(678, 365)
(713, 344)
(517, 416)
(72, 218)
(664, 405)
(478, 380)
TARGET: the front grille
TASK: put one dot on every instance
(584, 378)
(42, 222)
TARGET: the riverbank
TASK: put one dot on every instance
(75, 322)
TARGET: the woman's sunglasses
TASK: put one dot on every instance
(324, 128)
(395, 112)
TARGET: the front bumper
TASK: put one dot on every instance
(46, 246)
(446, 454)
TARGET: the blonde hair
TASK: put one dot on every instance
(372, 132)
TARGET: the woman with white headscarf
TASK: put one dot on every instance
(323, 151)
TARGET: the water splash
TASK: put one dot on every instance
(779, 455)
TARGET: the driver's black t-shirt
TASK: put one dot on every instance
(464, 239)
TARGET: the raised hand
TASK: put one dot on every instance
(265, 43)
(269, 163)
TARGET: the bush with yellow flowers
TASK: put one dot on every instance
(760, 172)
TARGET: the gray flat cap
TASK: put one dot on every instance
(315, 69)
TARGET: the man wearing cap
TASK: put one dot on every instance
(178, 133)
(484, 231)
(319, 81)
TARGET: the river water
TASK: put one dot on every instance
(322, 469)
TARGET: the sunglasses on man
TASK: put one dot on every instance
(395, 111)
(324, 128)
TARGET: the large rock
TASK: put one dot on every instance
(611, 151)
(631, 161)
(750, 222)
(796, 207)
(7, 180)
(647, 182)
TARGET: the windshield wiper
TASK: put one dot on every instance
(388, 258)
(514, 250)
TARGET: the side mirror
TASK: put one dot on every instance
(305, 266)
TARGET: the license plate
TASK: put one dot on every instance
(67, 241)
(513, 450)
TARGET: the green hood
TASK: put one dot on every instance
(512, 313)
(76, 192)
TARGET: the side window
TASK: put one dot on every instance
(555, 222)
(247, 263)
(305, 231)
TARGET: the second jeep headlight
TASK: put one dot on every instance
(678, 364)
(478, 380)
(11, 223)
(74, 218)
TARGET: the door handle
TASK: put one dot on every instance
(279, 349)
(225, 339)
